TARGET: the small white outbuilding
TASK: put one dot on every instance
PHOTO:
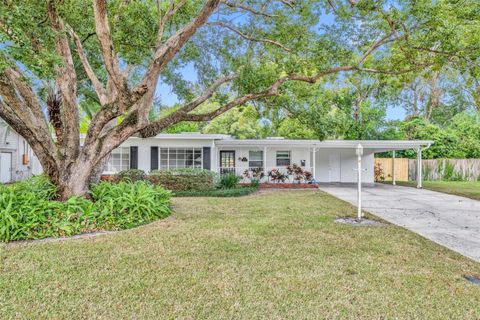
(17, 160)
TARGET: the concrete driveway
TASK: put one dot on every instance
(452, 221)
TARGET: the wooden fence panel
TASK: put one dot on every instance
(446, 169)
(401, 168)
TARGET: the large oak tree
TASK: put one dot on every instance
(58, 55)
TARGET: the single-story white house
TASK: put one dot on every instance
(328, 161)
(17, 160)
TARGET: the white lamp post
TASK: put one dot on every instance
(359, 153)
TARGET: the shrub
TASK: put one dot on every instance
(184, 179)
(40, 185)
(229, 181)
(308, 175)
(255, 183)
(277, 176)
(254, 173)
(237, 192)
(131, 175)
(298, 173)
(28, 211)
(378, 172)
(124, 204)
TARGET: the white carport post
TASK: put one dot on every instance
(419, 167)
(265, 174)
(314, 150)
(394, 182)
(359, 152)
(213, 158)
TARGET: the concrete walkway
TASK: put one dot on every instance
(452, 221)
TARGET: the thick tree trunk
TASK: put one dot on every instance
(75, 183)
(71, 187)
(98, 170)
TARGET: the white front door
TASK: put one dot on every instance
(5, 167)
(334, 167)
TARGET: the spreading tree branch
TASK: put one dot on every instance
(162, 19)
(248, 8)
(185, 113)
(376, 45)
(66, 80)
(247, 37)
(156, 126)
(289, 3)
(21, 110)
(104, 36)
(166, 51)
(273, 90)
(97, 85)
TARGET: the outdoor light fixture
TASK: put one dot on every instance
(359, 150)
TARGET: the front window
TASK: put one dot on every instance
(172, 158)
(283, 158)
(119, 160)
(255, 159)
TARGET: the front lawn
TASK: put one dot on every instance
(272, 255)
(469, 189)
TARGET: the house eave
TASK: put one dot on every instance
(384, 145)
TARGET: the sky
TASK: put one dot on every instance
(395, 113)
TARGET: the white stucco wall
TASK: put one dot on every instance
(144, 146)
(347, 157)
(348, 165)
(296, 154)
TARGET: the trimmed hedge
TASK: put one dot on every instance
(237, 192)
(184, 179)
(130, 175)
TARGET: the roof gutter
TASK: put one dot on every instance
(425, 148)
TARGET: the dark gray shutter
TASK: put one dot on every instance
(206, 158)
(133, 157)
(154, 158)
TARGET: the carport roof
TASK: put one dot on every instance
(378, 145)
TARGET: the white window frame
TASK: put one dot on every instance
(176, 166)
(289, 158)
(124, 161)
(250, 159)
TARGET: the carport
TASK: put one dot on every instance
(380, 146)
(329, 161)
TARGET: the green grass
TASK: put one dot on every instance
(275, 255)
(469, 189)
